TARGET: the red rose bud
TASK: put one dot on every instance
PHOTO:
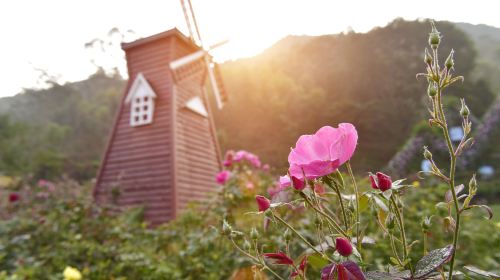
(298, 184)
(302, 268)
(373, 180)
(13, 197)
(343, 246)
(279, 258)
(384, 181)
(262, 202)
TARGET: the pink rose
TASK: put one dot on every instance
(250, 185)
(322, 153)
(285, 181)
(223, 177)
(266, 167)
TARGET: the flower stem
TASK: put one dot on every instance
(401, 228)
(256, 260)
(274, 273)
(328, 218)
(358, 242)
(301, 237)
(335, 187)
(453, 161)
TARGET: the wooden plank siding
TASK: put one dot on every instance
(164, 165)
(196, 156)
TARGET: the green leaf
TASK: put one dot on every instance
(379, 275)
(363, 203)
(448, 196)
(394, 260)
(432, 261)
(387, 194)
(481, 272)
(485, 207)
(316, 261)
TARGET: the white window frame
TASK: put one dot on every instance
(141, 98)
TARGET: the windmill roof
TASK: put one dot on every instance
(172, 32)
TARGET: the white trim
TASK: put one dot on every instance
(139, 82)
(196, 105)
(187, 59)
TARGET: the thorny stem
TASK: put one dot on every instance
(264, 266)
(358, 242)
(453, 159)
(394, 251)
(328, 218)
(401, 228)
(244, 252)
(342, 207)
(274, 273)
(425, 243)
(301, 237)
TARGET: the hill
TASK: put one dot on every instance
(303, 83)
(487, 42)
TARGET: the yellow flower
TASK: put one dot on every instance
(416, 184)
(71, 273)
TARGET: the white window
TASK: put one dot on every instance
(141, 98)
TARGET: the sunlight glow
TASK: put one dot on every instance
(51, 34)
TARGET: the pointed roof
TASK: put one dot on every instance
(140, 86)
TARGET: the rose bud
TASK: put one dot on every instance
(298, 184)
(262, 202)
(226, 228)
(373, 180)
(384, 181)
(278, 258)
(13, 197)
(343, 246)
(254, 234)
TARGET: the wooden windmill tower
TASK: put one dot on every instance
(163, 152)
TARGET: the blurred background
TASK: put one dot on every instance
(289, 68)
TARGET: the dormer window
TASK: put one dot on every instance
(141, 98)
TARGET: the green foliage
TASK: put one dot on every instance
(60, 130)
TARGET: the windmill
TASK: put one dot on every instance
(185, 64)
(163, 152)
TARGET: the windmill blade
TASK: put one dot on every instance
(220, 83)
(216, 83)
(188, 66)
(187, 59)
(221, 43)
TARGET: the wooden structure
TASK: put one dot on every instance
(162, 152)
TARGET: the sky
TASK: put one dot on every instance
(51, 34)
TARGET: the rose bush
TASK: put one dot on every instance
(339, 238)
